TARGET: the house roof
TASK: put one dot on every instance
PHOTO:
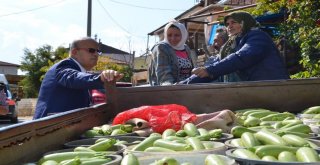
(198, 13)
(184, 14)
(2, 63)
(111, 50)
(120, 58)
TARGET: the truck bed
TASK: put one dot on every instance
(26, 142)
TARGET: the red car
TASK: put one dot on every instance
(99, 95)
(8, 104)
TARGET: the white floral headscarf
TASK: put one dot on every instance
(184, 35)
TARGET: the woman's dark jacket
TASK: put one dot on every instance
(256, 58)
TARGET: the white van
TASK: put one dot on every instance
(7, 101)
(3, 79)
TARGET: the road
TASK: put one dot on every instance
(4, 123)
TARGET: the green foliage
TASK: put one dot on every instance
(127, 71)
(302, 28)
(35, 64)
(104, 63)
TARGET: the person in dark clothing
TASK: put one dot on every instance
(67, 83)
(249, 55)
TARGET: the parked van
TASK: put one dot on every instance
(7, 101)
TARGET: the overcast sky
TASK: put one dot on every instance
(123, 24)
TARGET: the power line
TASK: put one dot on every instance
(30, 10)
(143, 7)
(121, 27)
(105, 10)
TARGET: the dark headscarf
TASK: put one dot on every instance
(247, 22)
(244, 18)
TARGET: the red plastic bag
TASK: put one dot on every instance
(160, 117)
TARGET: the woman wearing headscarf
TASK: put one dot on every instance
(249, 55)
(171, 60)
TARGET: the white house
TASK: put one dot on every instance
(8, 68)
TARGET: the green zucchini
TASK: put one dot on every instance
(158, 149)
(58, 157)
(249, 111)
(251, 122)
(273, 150)
(213, 159)
(295, 140)
(312, 110)
(261, 114)
(277, 116)
(244, 153)
(269, 158)
(302, 128)
(267, 137)
(50, 162)
(202, 131)
(249, 140)
(236, 143)
(147, 142)
(103, 145)
(191, 129)
(181, 133)
(307, 154)
(237, 131)
(172, 145)
(195, 143)
(286, 156)
(130, 159)
(168, 132)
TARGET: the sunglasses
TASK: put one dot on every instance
(91, 50)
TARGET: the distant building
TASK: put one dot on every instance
(8, 68)
(11, 73)
(117, 56)
(140, 73)
(141, 63)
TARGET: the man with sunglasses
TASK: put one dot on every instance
(67, 83)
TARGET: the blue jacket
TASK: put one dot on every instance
(256, 58)
(64, 88)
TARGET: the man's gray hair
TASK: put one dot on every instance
(75, 43)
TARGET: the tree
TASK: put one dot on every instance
(104, 63)
(36, 64)
(301, 28)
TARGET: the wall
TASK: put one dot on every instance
(13, 70)
(26, 107)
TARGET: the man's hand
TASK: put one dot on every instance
(110, 75)
(200, 72)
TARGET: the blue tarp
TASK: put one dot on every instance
(213, 33)
(272, 30)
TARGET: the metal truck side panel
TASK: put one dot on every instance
(26, 142)
(287, 95)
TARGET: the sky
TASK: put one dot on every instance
(123, 24)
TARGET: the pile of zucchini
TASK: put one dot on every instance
(94, 154)
(188, 139)
(272, 136)
(210, 159)
(108, 130)
(268, 146)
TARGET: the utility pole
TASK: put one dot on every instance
(89, 18)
